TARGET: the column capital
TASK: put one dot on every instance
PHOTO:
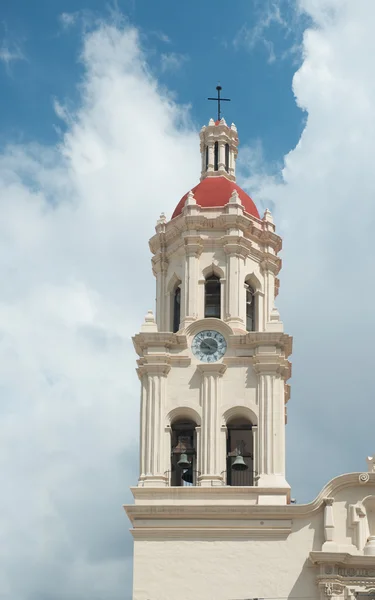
(217, 369)
(152, 369)
(272, 364)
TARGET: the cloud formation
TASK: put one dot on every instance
(77, 282)
(325, 211)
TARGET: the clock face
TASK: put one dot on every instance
(209, 346)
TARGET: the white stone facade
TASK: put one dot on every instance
(220, 536)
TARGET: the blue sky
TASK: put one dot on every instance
(212, 43)
(100, 108)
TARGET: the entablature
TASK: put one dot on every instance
(250, 228)
(152, 340)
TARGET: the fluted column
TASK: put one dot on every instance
(221, 156)
(272, 370)
(210, 464)
(152, 444)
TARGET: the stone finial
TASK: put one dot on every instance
(190, 200)
(268, 216)
(149, 324)
(223, 121)
(211, 122)
(235, 198)
(371, 464)
(275, 315)
(233, 127)
(160, 223)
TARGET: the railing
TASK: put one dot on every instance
(190, 478)
(247, 478)
(182, 478)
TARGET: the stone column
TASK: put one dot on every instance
(211, 158)
(210, 446)
(221, 161)
(152, 443)
(272, 369)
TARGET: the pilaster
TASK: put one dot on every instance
(193, 250)
(210, 463)
(272, 369)
(152, 444)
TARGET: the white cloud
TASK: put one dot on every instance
(76, 283)
(69, 19)
(325, 210)
(172, 61)
(10, 53)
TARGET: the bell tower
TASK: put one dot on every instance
(213, 366)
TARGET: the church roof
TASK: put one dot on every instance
(215, 192)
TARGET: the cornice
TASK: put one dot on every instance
(196, 533)
(145, 340)
(288, 511)
(256, 339)
(253, 229)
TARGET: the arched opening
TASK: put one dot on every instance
(240, 458)
(212, 297)
(227, 157)
(250, 307)
(206, 158)
(216, 156)
(176, 309)
(183, 453)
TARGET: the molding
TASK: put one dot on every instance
(209, 323)
(144, 340)
(202, 533)
(257, 339)
(212, 368)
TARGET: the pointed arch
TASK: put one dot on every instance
(213, 270)
(174, 290)
(252, 286)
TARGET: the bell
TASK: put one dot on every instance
(239, 464)
(187, 476)
(183, 462)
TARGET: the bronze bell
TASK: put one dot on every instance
(183, 462)
(239, 464)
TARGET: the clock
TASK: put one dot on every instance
(209, 346)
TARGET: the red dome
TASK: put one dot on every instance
(216, 191)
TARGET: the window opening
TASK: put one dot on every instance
(183, 455)
(216, 156)
(240, 459)
(176, 309)
(212, 297)
(206, 158)
(227, 157)
(250, 308)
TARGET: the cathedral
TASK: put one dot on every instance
(213, 517)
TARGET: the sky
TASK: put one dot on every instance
(100, 108)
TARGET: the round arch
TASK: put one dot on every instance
(183, 412)
(240, 412)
